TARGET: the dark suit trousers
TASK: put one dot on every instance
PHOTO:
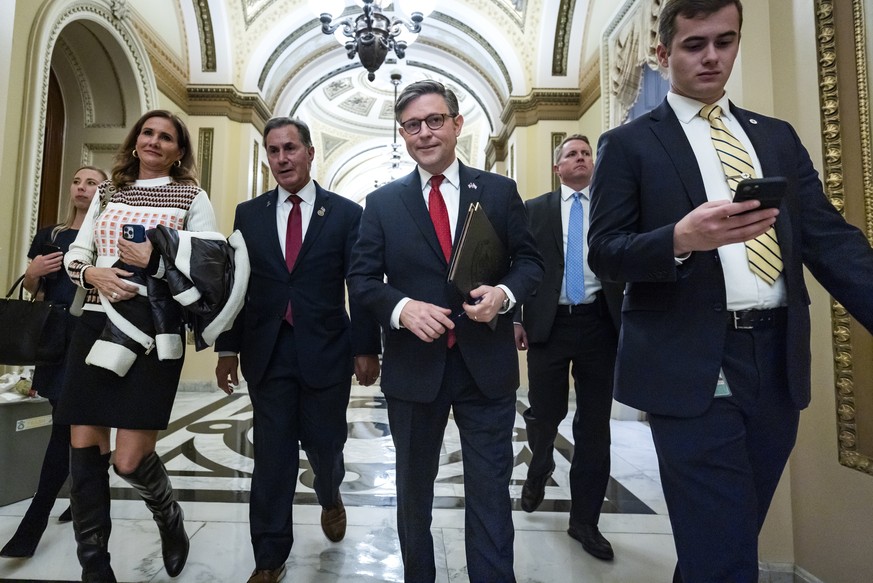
(586, 340)
(486, 428)
(719, 470)
(287, 412)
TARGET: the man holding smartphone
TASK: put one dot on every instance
(715, 319)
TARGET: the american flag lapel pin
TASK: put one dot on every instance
(472, 185)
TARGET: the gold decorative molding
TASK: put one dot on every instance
(256, 149)
(228, 101)
(539, 105)
(589, 84)
(557, 138)
(836, 173)
(563, 27)
(205, 142)
(207, 36)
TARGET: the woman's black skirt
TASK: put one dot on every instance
(142, 399)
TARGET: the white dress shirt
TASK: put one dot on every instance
(451, 191)
(743, 289)
(592, 284)
(283, 211)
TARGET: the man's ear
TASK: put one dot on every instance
(663, 55)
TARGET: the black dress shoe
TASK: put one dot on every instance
(592, 541)
(534, 490)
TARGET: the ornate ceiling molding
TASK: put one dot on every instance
(171, 73)
(540, 105)
(589, 84)
(207, 36)
(480, 40)
(81, 80)
(563, 26)
(229, 102)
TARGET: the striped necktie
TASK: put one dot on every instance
(765, 258)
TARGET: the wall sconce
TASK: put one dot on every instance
(372, 34)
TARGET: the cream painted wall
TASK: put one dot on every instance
(164, 17)
(15, 235)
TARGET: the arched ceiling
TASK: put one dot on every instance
(489, 51)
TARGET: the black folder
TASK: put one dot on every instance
(480, 258)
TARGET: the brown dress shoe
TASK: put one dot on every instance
(267, 575)
(333, 521)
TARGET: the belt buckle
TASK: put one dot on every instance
(738, 325)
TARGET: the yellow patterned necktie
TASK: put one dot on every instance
(765, 258)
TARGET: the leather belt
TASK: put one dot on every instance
(567, 310)
(757, 319)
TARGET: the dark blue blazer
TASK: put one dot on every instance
(325, 338)
(398, 240)
(645, 180)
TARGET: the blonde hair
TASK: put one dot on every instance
(71, 208)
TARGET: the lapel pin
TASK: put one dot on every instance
(753, 121)
(269, 202)
(321, 212)
(472, 185)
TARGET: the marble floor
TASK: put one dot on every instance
(207, 450)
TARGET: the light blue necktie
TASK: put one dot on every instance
(574, 269)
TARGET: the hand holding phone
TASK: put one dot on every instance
(770, 191)
(133, 233)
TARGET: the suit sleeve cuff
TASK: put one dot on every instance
(395, 314)
(508, 295)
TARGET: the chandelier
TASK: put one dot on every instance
(372, 34)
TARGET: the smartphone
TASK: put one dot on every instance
(134, 233)
(770, 191)
(49, 248)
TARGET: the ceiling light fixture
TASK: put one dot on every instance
(373, 34)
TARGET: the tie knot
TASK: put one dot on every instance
(436, 180)
(295, 199)
(710, 112)
(576, 196)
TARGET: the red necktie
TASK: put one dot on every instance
(293, 242)
(439, 214)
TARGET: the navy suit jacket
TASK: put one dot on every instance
(538, 312)
(398, 240)
(674, 318)
(325, 338)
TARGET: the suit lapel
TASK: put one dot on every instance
(668, 131)
(267, 216)
(470, 189)
(553, 203)
(320, 211)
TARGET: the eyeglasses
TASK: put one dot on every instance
(434, 121)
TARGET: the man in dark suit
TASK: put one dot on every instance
(715, 342)
(567, 321)
(440, 353)
(297, 344)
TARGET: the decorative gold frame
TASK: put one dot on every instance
(848, 180)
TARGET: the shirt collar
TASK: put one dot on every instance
(306, 194)
(567, 192)
(687, 109)
(452, 174)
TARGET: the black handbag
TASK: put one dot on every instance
(31, 332)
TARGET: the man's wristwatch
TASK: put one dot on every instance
(505, 306)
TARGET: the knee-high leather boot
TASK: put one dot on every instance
(150, 479)
(89, 498)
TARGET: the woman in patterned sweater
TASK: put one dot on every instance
(153, 182)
